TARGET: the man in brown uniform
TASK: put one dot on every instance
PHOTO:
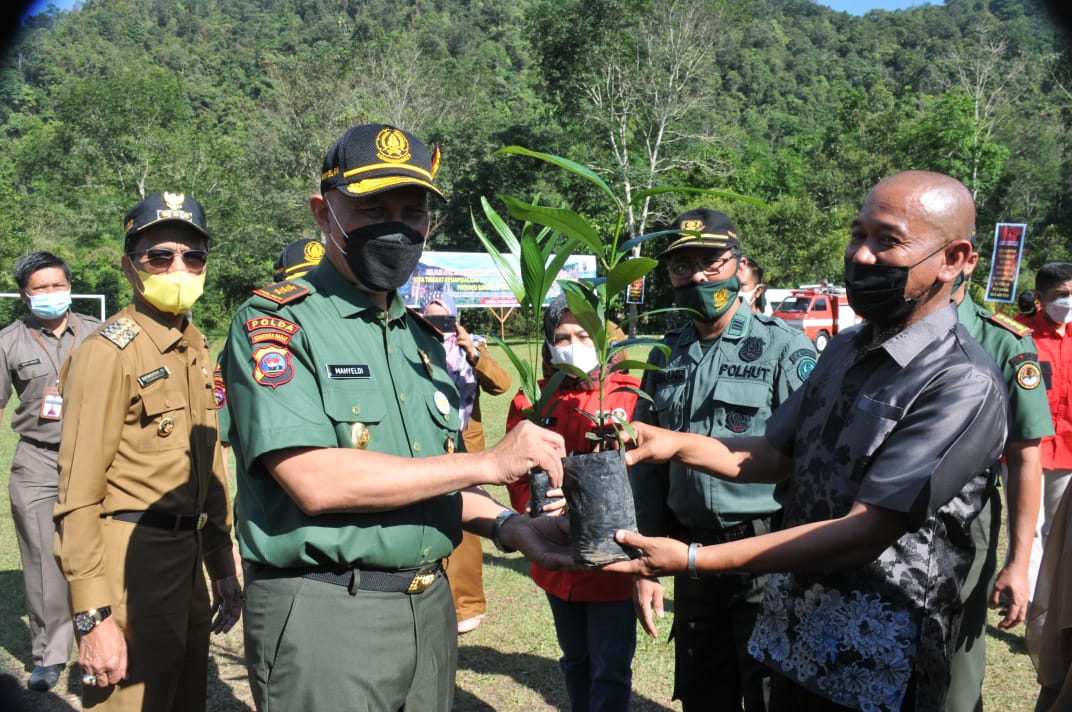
(32, 351)
(142, 497)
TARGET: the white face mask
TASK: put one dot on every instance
(1060, 310)
(747, 296)
(579, 355)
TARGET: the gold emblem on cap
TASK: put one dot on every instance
(313, 252)
(448, 445)
(165, 427)
(392, 146)
(359, 436)
(174, 200)
(721, 298)
(693, 225)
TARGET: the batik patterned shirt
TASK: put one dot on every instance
(910, 425)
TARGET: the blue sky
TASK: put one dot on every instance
(860, 7)
(856, 7)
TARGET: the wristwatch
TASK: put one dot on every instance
(86, 621)
(504, 516)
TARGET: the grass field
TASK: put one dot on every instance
(508, 663)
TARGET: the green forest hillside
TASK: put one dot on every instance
(235, 101)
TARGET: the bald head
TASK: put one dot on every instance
(940, 201)
(910, 241)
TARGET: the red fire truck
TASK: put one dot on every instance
(818, 311)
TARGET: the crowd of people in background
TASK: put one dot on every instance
(831, 523)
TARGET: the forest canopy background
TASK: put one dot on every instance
(235, 101)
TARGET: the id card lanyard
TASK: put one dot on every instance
(51, 400)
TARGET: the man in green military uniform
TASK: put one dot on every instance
(728, 369)
(344, 427)
(1013, 350)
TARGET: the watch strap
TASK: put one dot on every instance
(496, 528)
(693, 573)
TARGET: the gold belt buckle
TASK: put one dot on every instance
(201, 520)
(424, 578)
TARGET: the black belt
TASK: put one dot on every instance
(745, 530)
(404, 581)
(54, 447)
(163, 520)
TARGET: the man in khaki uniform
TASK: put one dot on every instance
(32, 351)
(142, 497)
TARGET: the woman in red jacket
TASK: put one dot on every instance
(593, 610)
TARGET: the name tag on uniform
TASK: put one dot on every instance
(153, 376)
(31, 362)
(51, 404)
(342, 371)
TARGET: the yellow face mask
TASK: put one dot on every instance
(172, 293)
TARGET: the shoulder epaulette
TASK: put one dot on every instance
(282, 292)
(121, 331)
(1010, 324)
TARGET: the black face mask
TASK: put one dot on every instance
(383, 255)
(877, 292)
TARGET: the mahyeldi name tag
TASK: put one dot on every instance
(153, 376)
(359, 370)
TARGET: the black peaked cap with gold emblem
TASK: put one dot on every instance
(703, 227)
(165, 207)
(297, 258)
(372, 158)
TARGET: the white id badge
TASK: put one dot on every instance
(51, 404)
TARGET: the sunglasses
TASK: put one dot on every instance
(161, 258)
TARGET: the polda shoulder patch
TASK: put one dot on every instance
(282, 292)
(121, 331)
(1010, 324)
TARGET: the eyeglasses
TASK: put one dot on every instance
(161, 258)
(709, 266)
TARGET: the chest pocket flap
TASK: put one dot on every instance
(166, 418)
(350, 403)
(742, 395)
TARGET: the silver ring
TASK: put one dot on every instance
(89, 679)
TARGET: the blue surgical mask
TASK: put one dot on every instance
(50, 305)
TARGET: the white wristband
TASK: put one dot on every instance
(693, 573)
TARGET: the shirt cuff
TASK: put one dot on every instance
(90, 593)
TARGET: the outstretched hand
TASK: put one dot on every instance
(543, 540)
(649, 443)
(659, 556)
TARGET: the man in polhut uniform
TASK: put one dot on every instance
(345, 424)
(728, 370)
(142, 495)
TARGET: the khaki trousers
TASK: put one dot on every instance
(161, 603)
(465, 571)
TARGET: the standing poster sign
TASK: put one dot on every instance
(635, 293)
(1005, 262)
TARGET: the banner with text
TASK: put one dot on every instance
(471, 279)
(1005, 263)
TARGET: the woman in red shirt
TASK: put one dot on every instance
(593, 610)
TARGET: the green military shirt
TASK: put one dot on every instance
(729, 391)
(1012, 348)
(314, 363)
